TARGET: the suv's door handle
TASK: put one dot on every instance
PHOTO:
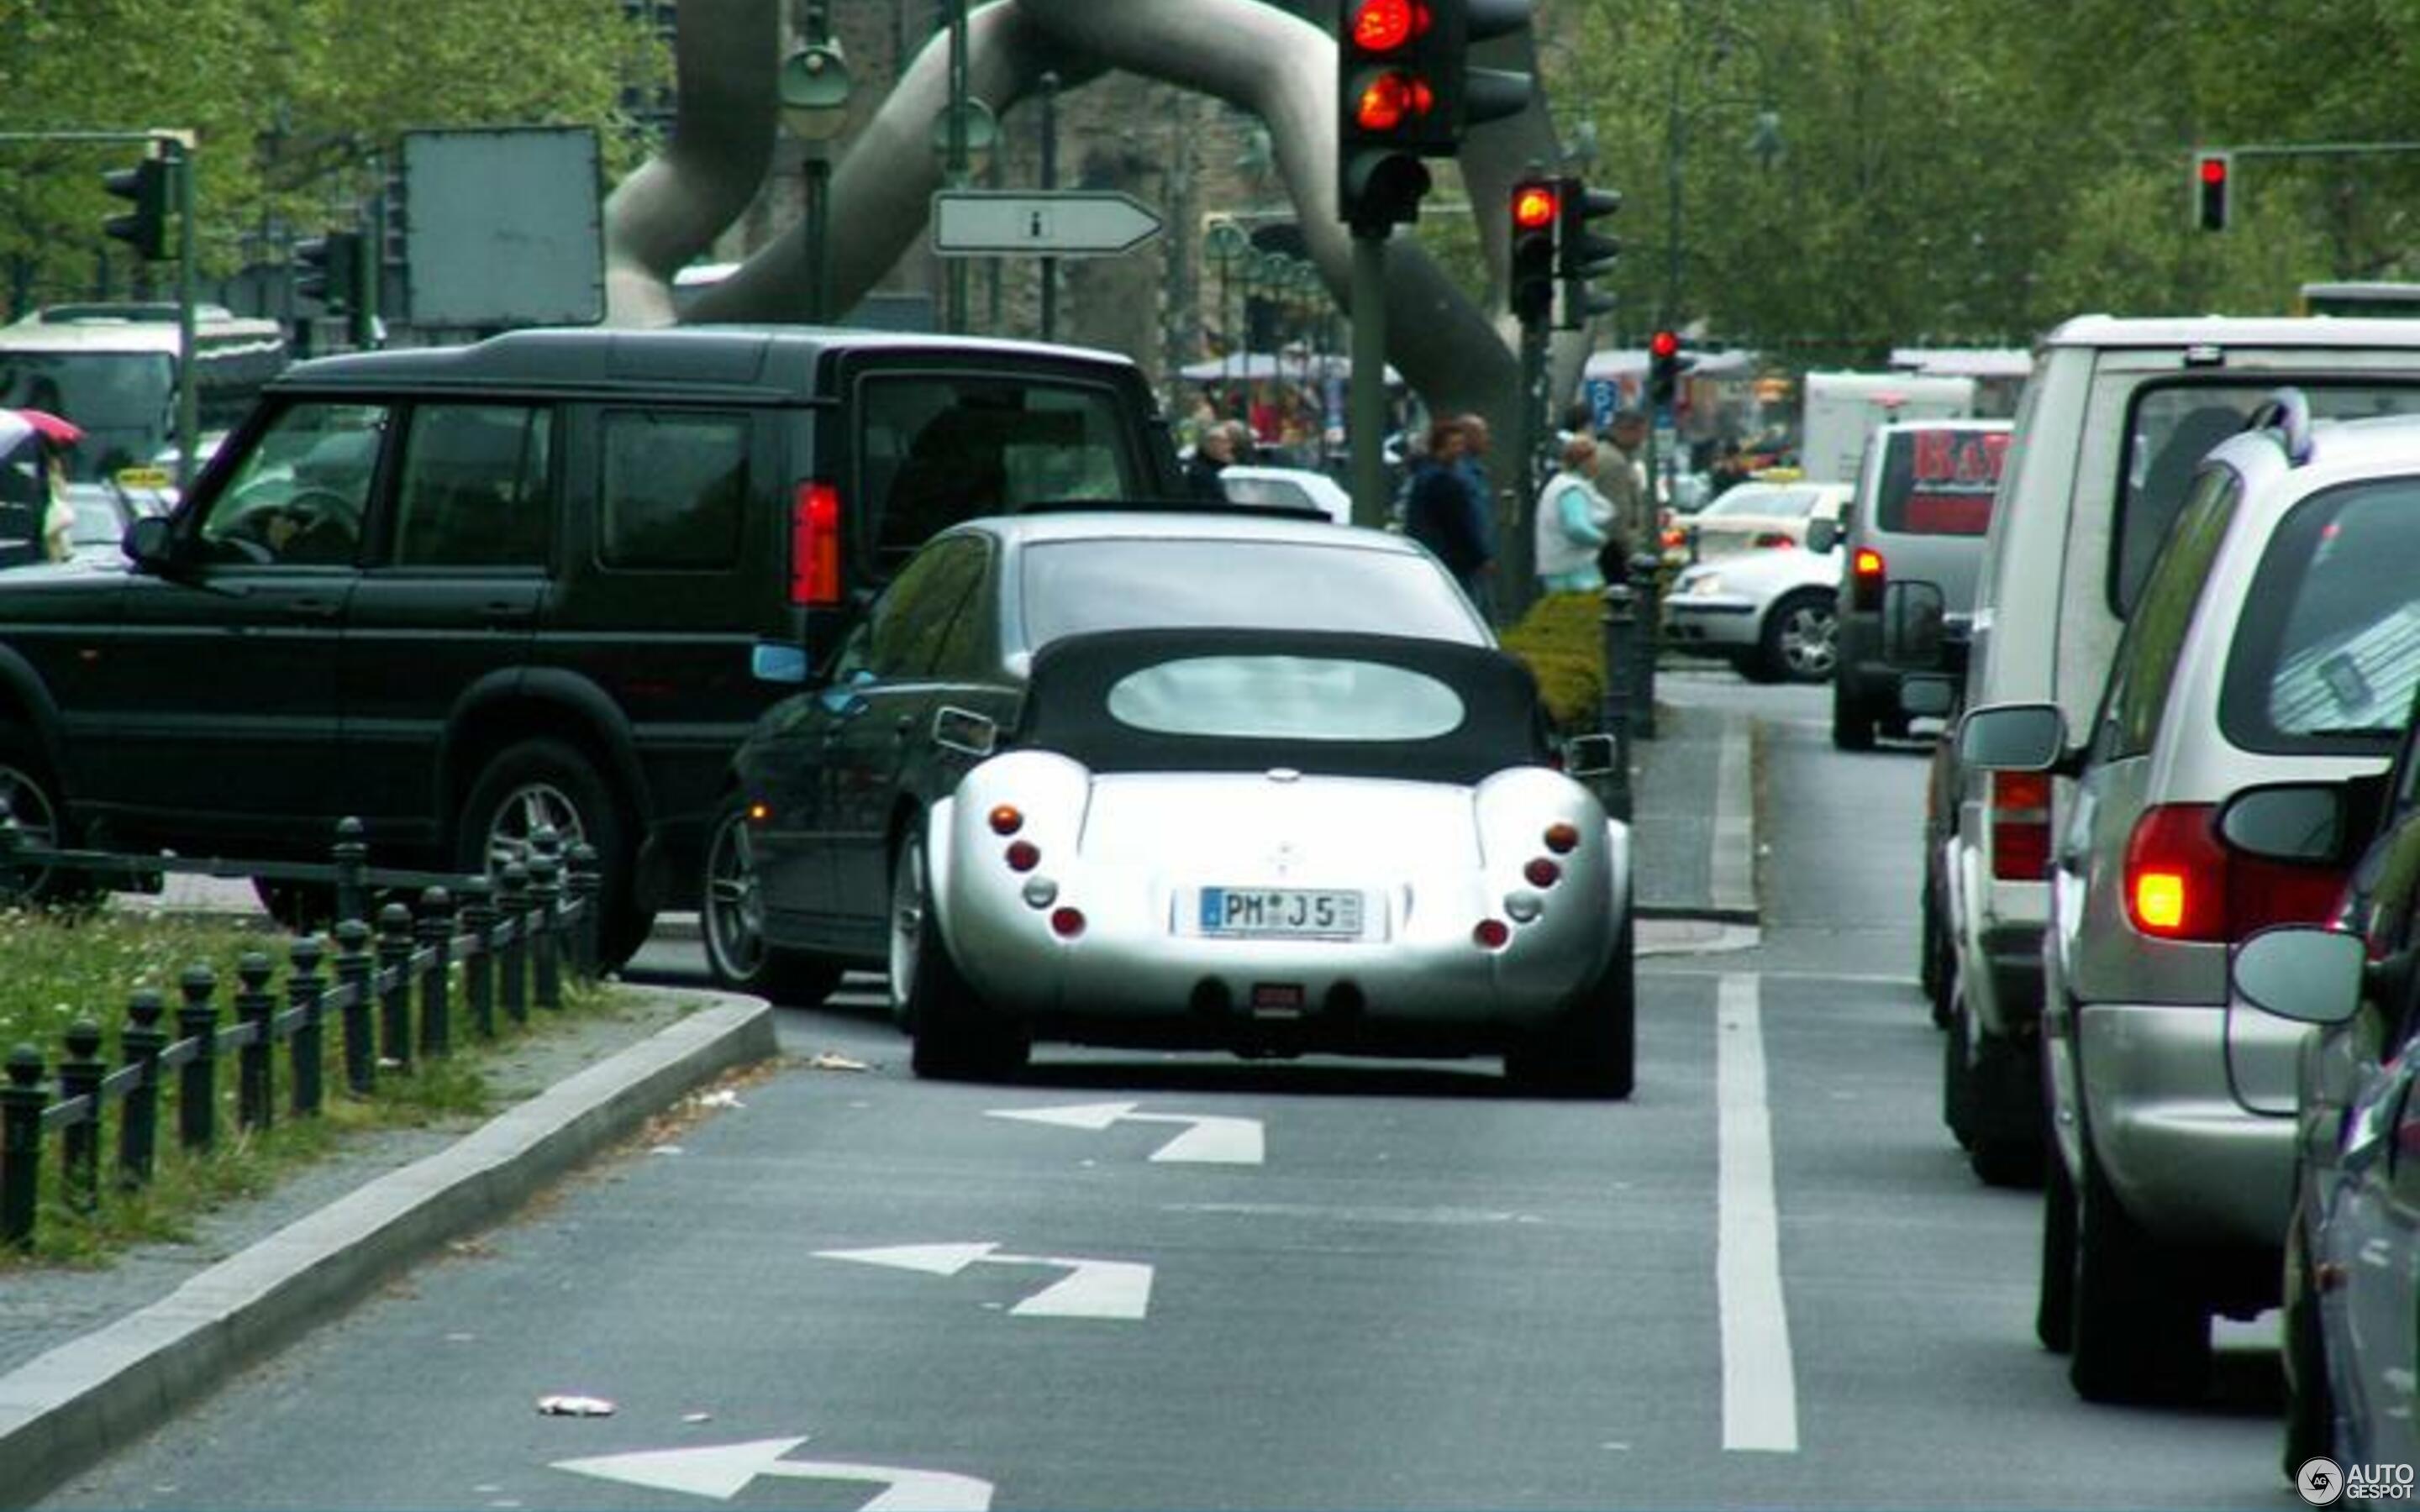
(507, 613)
(311, 608)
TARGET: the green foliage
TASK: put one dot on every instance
(1957, 171)
(291, 104)
(58, 968)
(1562, 640)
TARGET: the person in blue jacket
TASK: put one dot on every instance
(1448, 510)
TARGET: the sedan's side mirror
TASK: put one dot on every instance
(2299, 972)
(148, 543)
(1590, 755)
(965, 731)
(2287, 822)
(1822, 534)
(2016, 737)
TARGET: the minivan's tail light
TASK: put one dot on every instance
(2184, 883)
(815, 547)
(1866, 578)
(2020, 825)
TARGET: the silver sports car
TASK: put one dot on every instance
(1270, 842)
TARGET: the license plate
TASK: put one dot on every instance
(1280, 911)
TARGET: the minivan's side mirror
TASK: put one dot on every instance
(148, 542)
(2287, 822)
(1912, 625)
(1822, 534)
(2015, 737)
(2299, 972)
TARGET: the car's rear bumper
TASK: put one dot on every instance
(2190, 1161)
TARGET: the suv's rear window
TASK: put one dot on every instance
(2327, 655)
(1939, 482)
(2173, 425)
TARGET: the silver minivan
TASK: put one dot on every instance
(1923, 502)
(2275, 639)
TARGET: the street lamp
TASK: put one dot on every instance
(1764, 142)
(814, 106)
(1225, 243)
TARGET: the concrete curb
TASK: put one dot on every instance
(1734, 842)
(65, 1409)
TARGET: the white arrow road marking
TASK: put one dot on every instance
(1097, 1289)
(1212, 1139)
(1760, 1386)
(722, 1471)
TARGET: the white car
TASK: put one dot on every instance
(1288, 488)
(1773, 613)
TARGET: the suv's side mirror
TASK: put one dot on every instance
(1822, 534)
(2299, 972)
(2016, 737)
(148, 543)
(2287, 822)
(1912, 625)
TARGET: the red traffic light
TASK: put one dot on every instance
(1385, 25)
(1390, 101)
(1663, 345)
(1534, 206)
(2213, 170)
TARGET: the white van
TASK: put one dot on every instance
(1844, 409)
(2114, 418)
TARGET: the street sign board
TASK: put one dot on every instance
(1052, 223)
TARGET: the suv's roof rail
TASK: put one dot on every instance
(2287, 414)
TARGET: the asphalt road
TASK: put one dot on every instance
(1766, 1280)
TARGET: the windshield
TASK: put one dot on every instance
(124, 401)
(1070, 587)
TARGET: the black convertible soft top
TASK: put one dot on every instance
(1067, 706)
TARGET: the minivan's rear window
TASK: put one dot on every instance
(1940, 482)
(2326, 657)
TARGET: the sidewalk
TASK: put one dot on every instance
(90, 1360)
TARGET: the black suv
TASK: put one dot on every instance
(550, 578)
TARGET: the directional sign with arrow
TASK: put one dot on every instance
(1209, 1139)
(1068, 222)
(1097, 1289)
(722, 1471)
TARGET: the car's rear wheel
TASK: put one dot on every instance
(954, 1038)
(2310, 1401)
(30, 797)
(732, 915)
(1592, 1050)
(2054, 1302)
(2138, 1335)
(1935, 960)
(546, 783)
(1801, 639)
(1977, 1103)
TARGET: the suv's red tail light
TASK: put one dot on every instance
(2020, 825)
(815, 547)
(2184, 882)
(1866, 573)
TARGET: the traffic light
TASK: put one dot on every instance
(1664, 364)
(148, 185)
(1537, 220)
(1405, 90)
(1382, 102)
(328, 268)
(1580, 253)
(2212, 171)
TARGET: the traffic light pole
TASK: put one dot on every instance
(1367, 407)
(181, 161)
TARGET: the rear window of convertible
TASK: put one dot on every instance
(1294, 697)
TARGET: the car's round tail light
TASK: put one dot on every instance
(1067, 922)
(1023, 856)
(1490, 934)
(1542, 872)
(1006, 819)
(1562, 839)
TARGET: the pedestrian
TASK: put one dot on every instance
(1448, 511)
(1213, 451)
(1573, 520)
(1618, 477)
